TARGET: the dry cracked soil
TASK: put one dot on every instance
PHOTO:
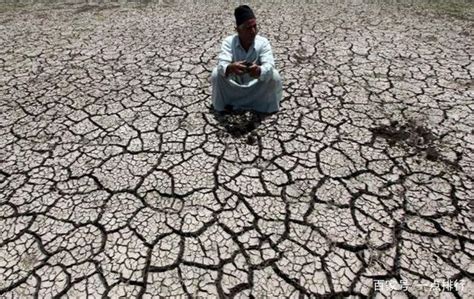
(117, 180)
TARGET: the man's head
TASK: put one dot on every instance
(246, 23)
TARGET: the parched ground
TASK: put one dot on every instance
(117, 179)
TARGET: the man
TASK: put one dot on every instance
(245, 78)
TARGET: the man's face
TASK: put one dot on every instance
(247, 31)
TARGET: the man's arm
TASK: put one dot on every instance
(225, 57)
(267, 62)
(225, 65)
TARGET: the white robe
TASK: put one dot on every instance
(261, 94)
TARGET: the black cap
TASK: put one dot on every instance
(242, 14)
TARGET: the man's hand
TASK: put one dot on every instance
(254, 70)
(237, 68)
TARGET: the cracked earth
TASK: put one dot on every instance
(117, 180)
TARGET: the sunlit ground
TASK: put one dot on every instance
(117, 179)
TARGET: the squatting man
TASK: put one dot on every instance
(245, 78)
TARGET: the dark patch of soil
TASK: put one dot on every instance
(251, 139)
(410, 133)
(416, 136)
(238, 123)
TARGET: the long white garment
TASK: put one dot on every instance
(244, 92)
